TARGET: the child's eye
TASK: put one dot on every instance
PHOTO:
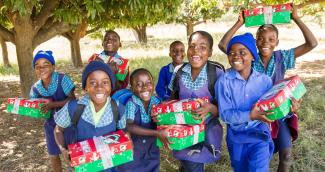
(139, 84)
(105, 83)
(93, 83)
(242, 53)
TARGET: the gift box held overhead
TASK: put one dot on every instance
(277, 99)
(27, 107)
(276, 14)
(101, 152)
(182, 136)
(178, 112)
(123, 67)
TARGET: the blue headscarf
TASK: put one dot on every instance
(44, 54)
(247, 40)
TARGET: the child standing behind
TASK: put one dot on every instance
(56, 87)
(248, 139)
(274, 64)
(111, 44)
(193, 80)
(139, 124)
(177, 53)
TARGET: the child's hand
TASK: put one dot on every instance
(255, 114)
(154, 116)
(46, 107)
(113, 66)
(203, 110)
(65, 154)
(295, 104)
(241, 19)
(294, 13)
(164, 139)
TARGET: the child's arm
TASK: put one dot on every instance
(310, 39)
(59, 139)
(230, 33)
(58, 104)
(205, 109)
(141, 131)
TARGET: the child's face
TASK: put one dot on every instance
(111, 42)
(198, 51)
(240, 58)
(266, 41)
(44, 69)
(98, 86)
(177, 53)
(142, 86)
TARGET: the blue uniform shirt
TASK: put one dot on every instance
(236, 97)
(164, 78)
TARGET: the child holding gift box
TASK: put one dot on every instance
(97, 117)
(177, 53)
(192, 81)
(274, 64)
(57, 87)
(139, 124)
(111, 44)
(248, 139)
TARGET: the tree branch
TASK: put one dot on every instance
(45, 34)
(45, 13)
(309, 3)
(199, 22)
(6, 34)
(92, 30)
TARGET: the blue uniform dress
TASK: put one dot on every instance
(279, 63)
(146, 153)
(86, 128)
(58, 90)
(165, 75)
(249, 142)
(198, 89)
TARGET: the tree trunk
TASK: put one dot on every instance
(75, 51)
(189, 28)
(4, 53)
(24, 49)
(141, 33)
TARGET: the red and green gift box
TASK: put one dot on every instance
(178, 111)
(182, 136)
(277, 99)
(27, 107)
(123, 67)
(101, 152)
(276, 14)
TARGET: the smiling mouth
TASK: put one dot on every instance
(196, 58)
(145, 94)
(100, 96)
(238, 62)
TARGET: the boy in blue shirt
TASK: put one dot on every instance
(177, 53)
(248, 138)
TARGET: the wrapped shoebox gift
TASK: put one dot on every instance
(27, 107)
(178, 111)
(123, 67)
(101, 152)
(277, 99)
(182, 136)
(276, 14)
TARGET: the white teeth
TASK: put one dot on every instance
(196, 58)
(237, 63)
(265, 49)
(145, 94)
(100, 96)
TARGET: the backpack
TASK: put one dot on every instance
(212, 78)
(77, 109)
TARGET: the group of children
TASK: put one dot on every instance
(255, 67)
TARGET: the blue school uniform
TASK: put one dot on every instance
(86, 127)
(146, 153)
(202, 151)
(58, 90)
(165, 75)
(279, 63)
(249, 142)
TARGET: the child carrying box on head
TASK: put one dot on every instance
(58, 88)
(248, 139)
(111, 44)
(139, 124)
(196, 79)
(97, 117)
(177, 53)
(274, 64)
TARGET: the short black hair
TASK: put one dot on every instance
(175, 43)
(139, 71)
(267, 26)
(204, 34)
(111, 31)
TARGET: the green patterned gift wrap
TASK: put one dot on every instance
(277, 14)
(182, 136)
(277, 99)
(27, 107)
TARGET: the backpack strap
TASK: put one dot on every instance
(77, 114)
(115, 110)
(175, 93)
(212, 76)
